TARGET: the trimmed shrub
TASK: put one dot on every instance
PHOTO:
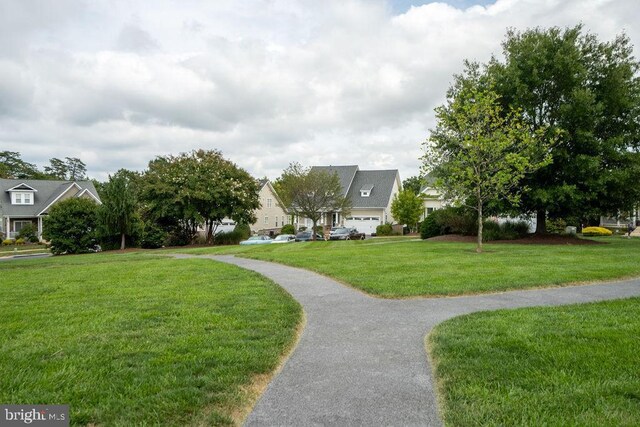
(230, 238)
(556, 226)
(19, 242)
(7, 242)
(508, 230)
(244, 230)
(34, 239)
(596, 231)
(429, 227)
(384, 230)
(288, 229)
(71, 226)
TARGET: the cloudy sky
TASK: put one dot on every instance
(267, 82)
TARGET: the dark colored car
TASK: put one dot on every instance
(346, 234)
(305, 236)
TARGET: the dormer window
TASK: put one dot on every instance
(22, 194)
(21, 198)
(365, 191)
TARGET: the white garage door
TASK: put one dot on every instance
(364, 224)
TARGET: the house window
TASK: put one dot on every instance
(269, 201)
(18, 225)
(429, 211)
(365, 191)
(284, 220)
(21, 198)
(266, 219)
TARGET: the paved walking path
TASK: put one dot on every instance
(361, 360)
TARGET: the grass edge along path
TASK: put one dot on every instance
(139, 339)
(407, 269)
(565, 365)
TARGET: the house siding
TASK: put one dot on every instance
(272, 211)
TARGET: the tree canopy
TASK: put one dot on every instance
(585, 93)
(118, 214)
(413, 183)
(407, 208)
(200, 187)
(478, 152)
(311, 192)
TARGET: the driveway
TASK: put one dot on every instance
(361, 360)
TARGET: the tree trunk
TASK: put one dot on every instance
(313, 231)
(209, 228)
(122, 242)
(541, 221)
(479, 248)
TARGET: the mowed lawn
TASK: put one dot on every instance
(574, 365)
(405, 268)
(132, 339)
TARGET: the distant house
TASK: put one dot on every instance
(370, 193)
(432, 199)
(272, 214)
(28, 201)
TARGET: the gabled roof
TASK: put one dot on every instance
(346, 174)
(45, 193)
(379, 182)
(22, 187)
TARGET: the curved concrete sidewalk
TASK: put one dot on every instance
(361, 360)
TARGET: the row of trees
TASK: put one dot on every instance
(551, 130)
(166, 204)
(13, 167)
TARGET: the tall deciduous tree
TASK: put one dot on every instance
(311, 192)
(118, 213)
(568, 84)
(407, 208)
(200, 187)
(479, 152)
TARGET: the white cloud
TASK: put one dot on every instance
(266, 82)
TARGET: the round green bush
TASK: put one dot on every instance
(71, 226)
(288, 229)
(429, 227)
(384, 230)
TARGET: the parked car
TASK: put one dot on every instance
(257, 240)
(284, 238)
(305, 236)
(346, 234)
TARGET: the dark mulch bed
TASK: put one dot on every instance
(532, 239)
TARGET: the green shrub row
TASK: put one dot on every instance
(462, 221)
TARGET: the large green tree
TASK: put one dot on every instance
(569, 85)
(200, 187)
(311, 192)
(71, 168)
(407, 208)
(118, 214)
(71, 226)
(478, 152)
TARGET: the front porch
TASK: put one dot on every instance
(12, 226)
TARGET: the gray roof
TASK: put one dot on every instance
(47, 192)
(346, 174)
(380, 183)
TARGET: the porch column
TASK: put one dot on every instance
(8, 229)
(39, 228)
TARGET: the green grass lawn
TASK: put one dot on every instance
(405, 268)
(573, 365)
(133, 339)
